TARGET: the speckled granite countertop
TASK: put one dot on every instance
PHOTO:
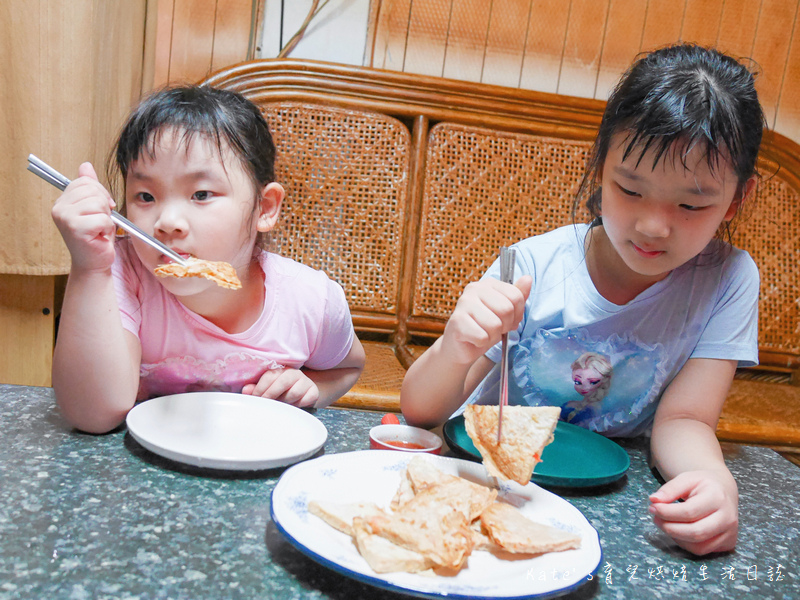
(86, 516)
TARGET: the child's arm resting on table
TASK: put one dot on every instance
(309, 388)
(443, 377)
(96, 361)
(687, 454)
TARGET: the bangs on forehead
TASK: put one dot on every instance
(183, 139)
(192, 117)
(674, 148)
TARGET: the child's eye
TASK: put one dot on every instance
(627, 192)
(145, 197)
(691, 207)
(202, 195)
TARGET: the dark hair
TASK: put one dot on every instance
(683, 94)
(220, 115)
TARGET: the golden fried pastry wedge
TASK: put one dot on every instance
(404, 493)
(221, 273)
(457, 491)
(382, 555)
(427, 525)
(526, 431)
(514, 532)
(340, 516)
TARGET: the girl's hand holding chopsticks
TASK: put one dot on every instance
(82, 215)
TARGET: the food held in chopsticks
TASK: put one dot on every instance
(526, 431)
(436, 521)
(221, 273)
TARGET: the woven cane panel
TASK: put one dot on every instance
(771, 235)
(483, 190)
(345, 173)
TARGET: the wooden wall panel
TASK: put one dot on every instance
(582, 48)
(427, 37)
(192, 38)
(737, 28)
(391, 34)
(71, 70)
(663, 23)
(505, 42)
(621, 44)
(464, 58)
(771, 50)
(544, 48)
(234, 19)
(26, 322)
(701, 21)
(787, 114)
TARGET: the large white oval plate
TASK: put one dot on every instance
(373, 476)
(220, 430)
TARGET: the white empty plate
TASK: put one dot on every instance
(220, 430)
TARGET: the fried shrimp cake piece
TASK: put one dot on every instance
(514, 532)
(433, 523)
(221, 273)
(526, 431)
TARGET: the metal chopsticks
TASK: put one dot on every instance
(53, 177)
(507, 256)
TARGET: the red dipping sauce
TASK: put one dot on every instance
(402, 444)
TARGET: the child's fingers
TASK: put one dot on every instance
(265, 382)
(675, 489)
(87, 170)
(523, 284)
(693, 531)
(712, 534)
(300, 392)
(693, 509)
(504, 301)
(287, 385)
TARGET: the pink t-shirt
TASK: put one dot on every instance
(305, 322)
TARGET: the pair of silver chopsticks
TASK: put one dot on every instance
(53, 177)
(507, 257)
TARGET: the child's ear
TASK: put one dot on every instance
(271, 199)
(740, 198)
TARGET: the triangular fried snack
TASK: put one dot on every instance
(221, 273)
(430, 525)
(340, 516)
(384, 556)
(514, 532)
(423, 475)
(526, 431)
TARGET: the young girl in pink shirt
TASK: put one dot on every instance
(197, 165)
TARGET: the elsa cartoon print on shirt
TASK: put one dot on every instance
(598, 383)
(591, 375)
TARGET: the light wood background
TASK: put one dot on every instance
(72, 69)
(581, 47)
(63, 90)
(193, 38)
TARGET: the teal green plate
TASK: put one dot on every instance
(576, 457)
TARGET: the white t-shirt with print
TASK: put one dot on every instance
(707, 308)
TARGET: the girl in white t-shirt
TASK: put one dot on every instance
(646, 285)
(197, 167)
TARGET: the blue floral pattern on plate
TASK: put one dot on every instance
(374, 475)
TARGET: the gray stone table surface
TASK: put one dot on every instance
(84, 516)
